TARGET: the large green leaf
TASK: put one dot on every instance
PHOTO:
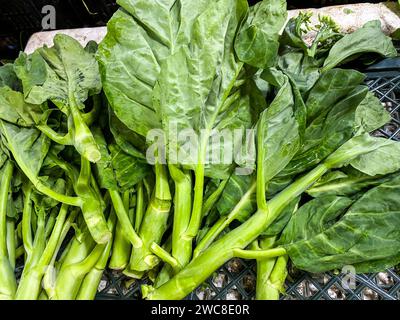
(28, 146)
(370, 115)
(313, 218)
(195, 90)
(9, 78)
(331, 87)
(370, 155)
(368, 39)
(14, 109)
(257, 41)
(302, 69)
(65, 74)
(278, 130)
(366, 236)
(235, 189)
(327, 133)
(138, 39)
(345, 183)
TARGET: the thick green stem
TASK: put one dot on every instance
(30, 284)
(26, 221)
(154, 223)
(49, 274)
(197, 208)
(124, 220)
(92, 208)
(8, 284)
(163, 276)
(224, 222)
(7, 172)
(121, 250)
(264, 269)
(165, 256)
(121, 247)
(181, 247)
(201, 267)
(261, 181)
(84, 141)
(92, 280)
(51, 222)
(259, 254)
(79, 249)
(71, 276)
(80, 259)
(274, 286)
(139, 206)
(11, 241)
(56, 137)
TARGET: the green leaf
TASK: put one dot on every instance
(234, 191)
(371, 115)
(278, 130)
(280, 223)
(302, 69)
(331, 87)
(370, 155)
(341, 184)
(383, 160)
(64, 73)
(128, 140)
(128, 170)
(313, 218)
(116, 169)
(367, 235)
(138, 39)
(327, 133)
(195, 90)
(368, 39)
(14, 109)
(9, 78)
(28, 145)
(257, 41)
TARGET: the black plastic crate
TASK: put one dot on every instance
(236, 280)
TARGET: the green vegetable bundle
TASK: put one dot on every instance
(111, 155)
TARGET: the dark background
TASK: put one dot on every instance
(20, 18)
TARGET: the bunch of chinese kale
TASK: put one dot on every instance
(79, 192)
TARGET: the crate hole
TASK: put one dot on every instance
(233, 294)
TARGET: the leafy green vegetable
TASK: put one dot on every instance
(260, 32)
(326, 239)
(216, 137)
(368, 39)
(65, 74)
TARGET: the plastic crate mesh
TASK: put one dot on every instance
(236, 280)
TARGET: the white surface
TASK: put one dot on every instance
(348, 17)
